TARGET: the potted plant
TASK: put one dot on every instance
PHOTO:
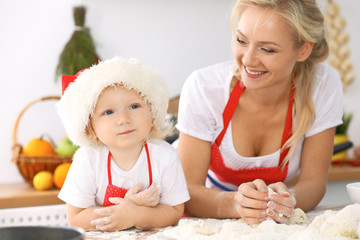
(341, 136)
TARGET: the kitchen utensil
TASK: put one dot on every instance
(353, 190)
(342, 146)
(41, 233)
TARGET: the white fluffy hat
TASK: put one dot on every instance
(80, 97)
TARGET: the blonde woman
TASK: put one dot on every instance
(261, 119)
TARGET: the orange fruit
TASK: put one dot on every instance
(43, 180)
(60, 174)
(39, 147)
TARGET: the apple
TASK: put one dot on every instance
(66, 148)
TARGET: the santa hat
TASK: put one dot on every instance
(81, 92)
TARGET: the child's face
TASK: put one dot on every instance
(121, 118)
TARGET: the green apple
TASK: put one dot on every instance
(65, 147)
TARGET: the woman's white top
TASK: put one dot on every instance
(203, 100)
(87, 179)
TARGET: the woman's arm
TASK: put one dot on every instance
(195, 157)
(311, 185)
(315, 161)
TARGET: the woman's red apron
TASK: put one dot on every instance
(239, 176)
(113, 191)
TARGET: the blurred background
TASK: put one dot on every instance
(175, 37)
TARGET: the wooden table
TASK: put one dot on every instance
(23, 195)
(144, 235)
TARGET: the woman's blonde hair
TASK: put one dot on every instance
(306, 23)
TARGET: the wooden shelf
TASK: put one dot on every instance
(338, 173)
(23, 195)
(344, 172)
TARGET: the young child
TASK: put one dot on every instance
(123, 175)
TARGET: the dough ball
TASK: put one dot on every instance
(298, 216)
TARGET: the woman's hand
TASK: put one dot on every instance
(149, 197)
(251, 201)
(281, 205)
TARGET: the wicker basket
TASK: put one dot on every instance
(29, 166)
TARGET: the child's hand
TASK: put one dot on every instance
(149, 197)
(118, 217)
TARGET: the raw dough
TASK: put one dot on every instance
(343, 223)
(330, 225)
(298, 216)
(334, 225)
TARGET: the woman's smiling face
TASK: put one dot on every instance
(264, 48)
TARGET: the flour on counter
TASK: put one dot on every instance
(343, 223)
(330, 225)
(326, 225)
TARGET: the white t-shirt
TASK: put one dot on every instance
(203, 100)
(87, 179)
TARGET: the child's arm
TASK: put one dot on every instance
(127, 214)
(81, 217)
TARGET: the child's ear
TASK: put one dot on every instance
(90, 130)
(304, 51)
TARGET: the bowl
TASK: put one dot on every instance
(41, 233)
(353, 190)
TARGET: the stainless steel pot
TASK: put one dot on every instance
(41, 233)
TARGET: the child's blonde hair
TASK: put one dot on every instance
(78, 102)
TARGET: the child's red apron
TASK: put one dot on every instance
(113, 191)
(239, 176)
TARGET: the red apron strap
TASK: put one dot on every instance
(288, 128)
(109, 168)
(149, 164)
(230, 109)
(148, 161)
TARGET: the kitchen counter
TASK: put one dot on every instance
(209, 229)
(23, 195)
(337, 173)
